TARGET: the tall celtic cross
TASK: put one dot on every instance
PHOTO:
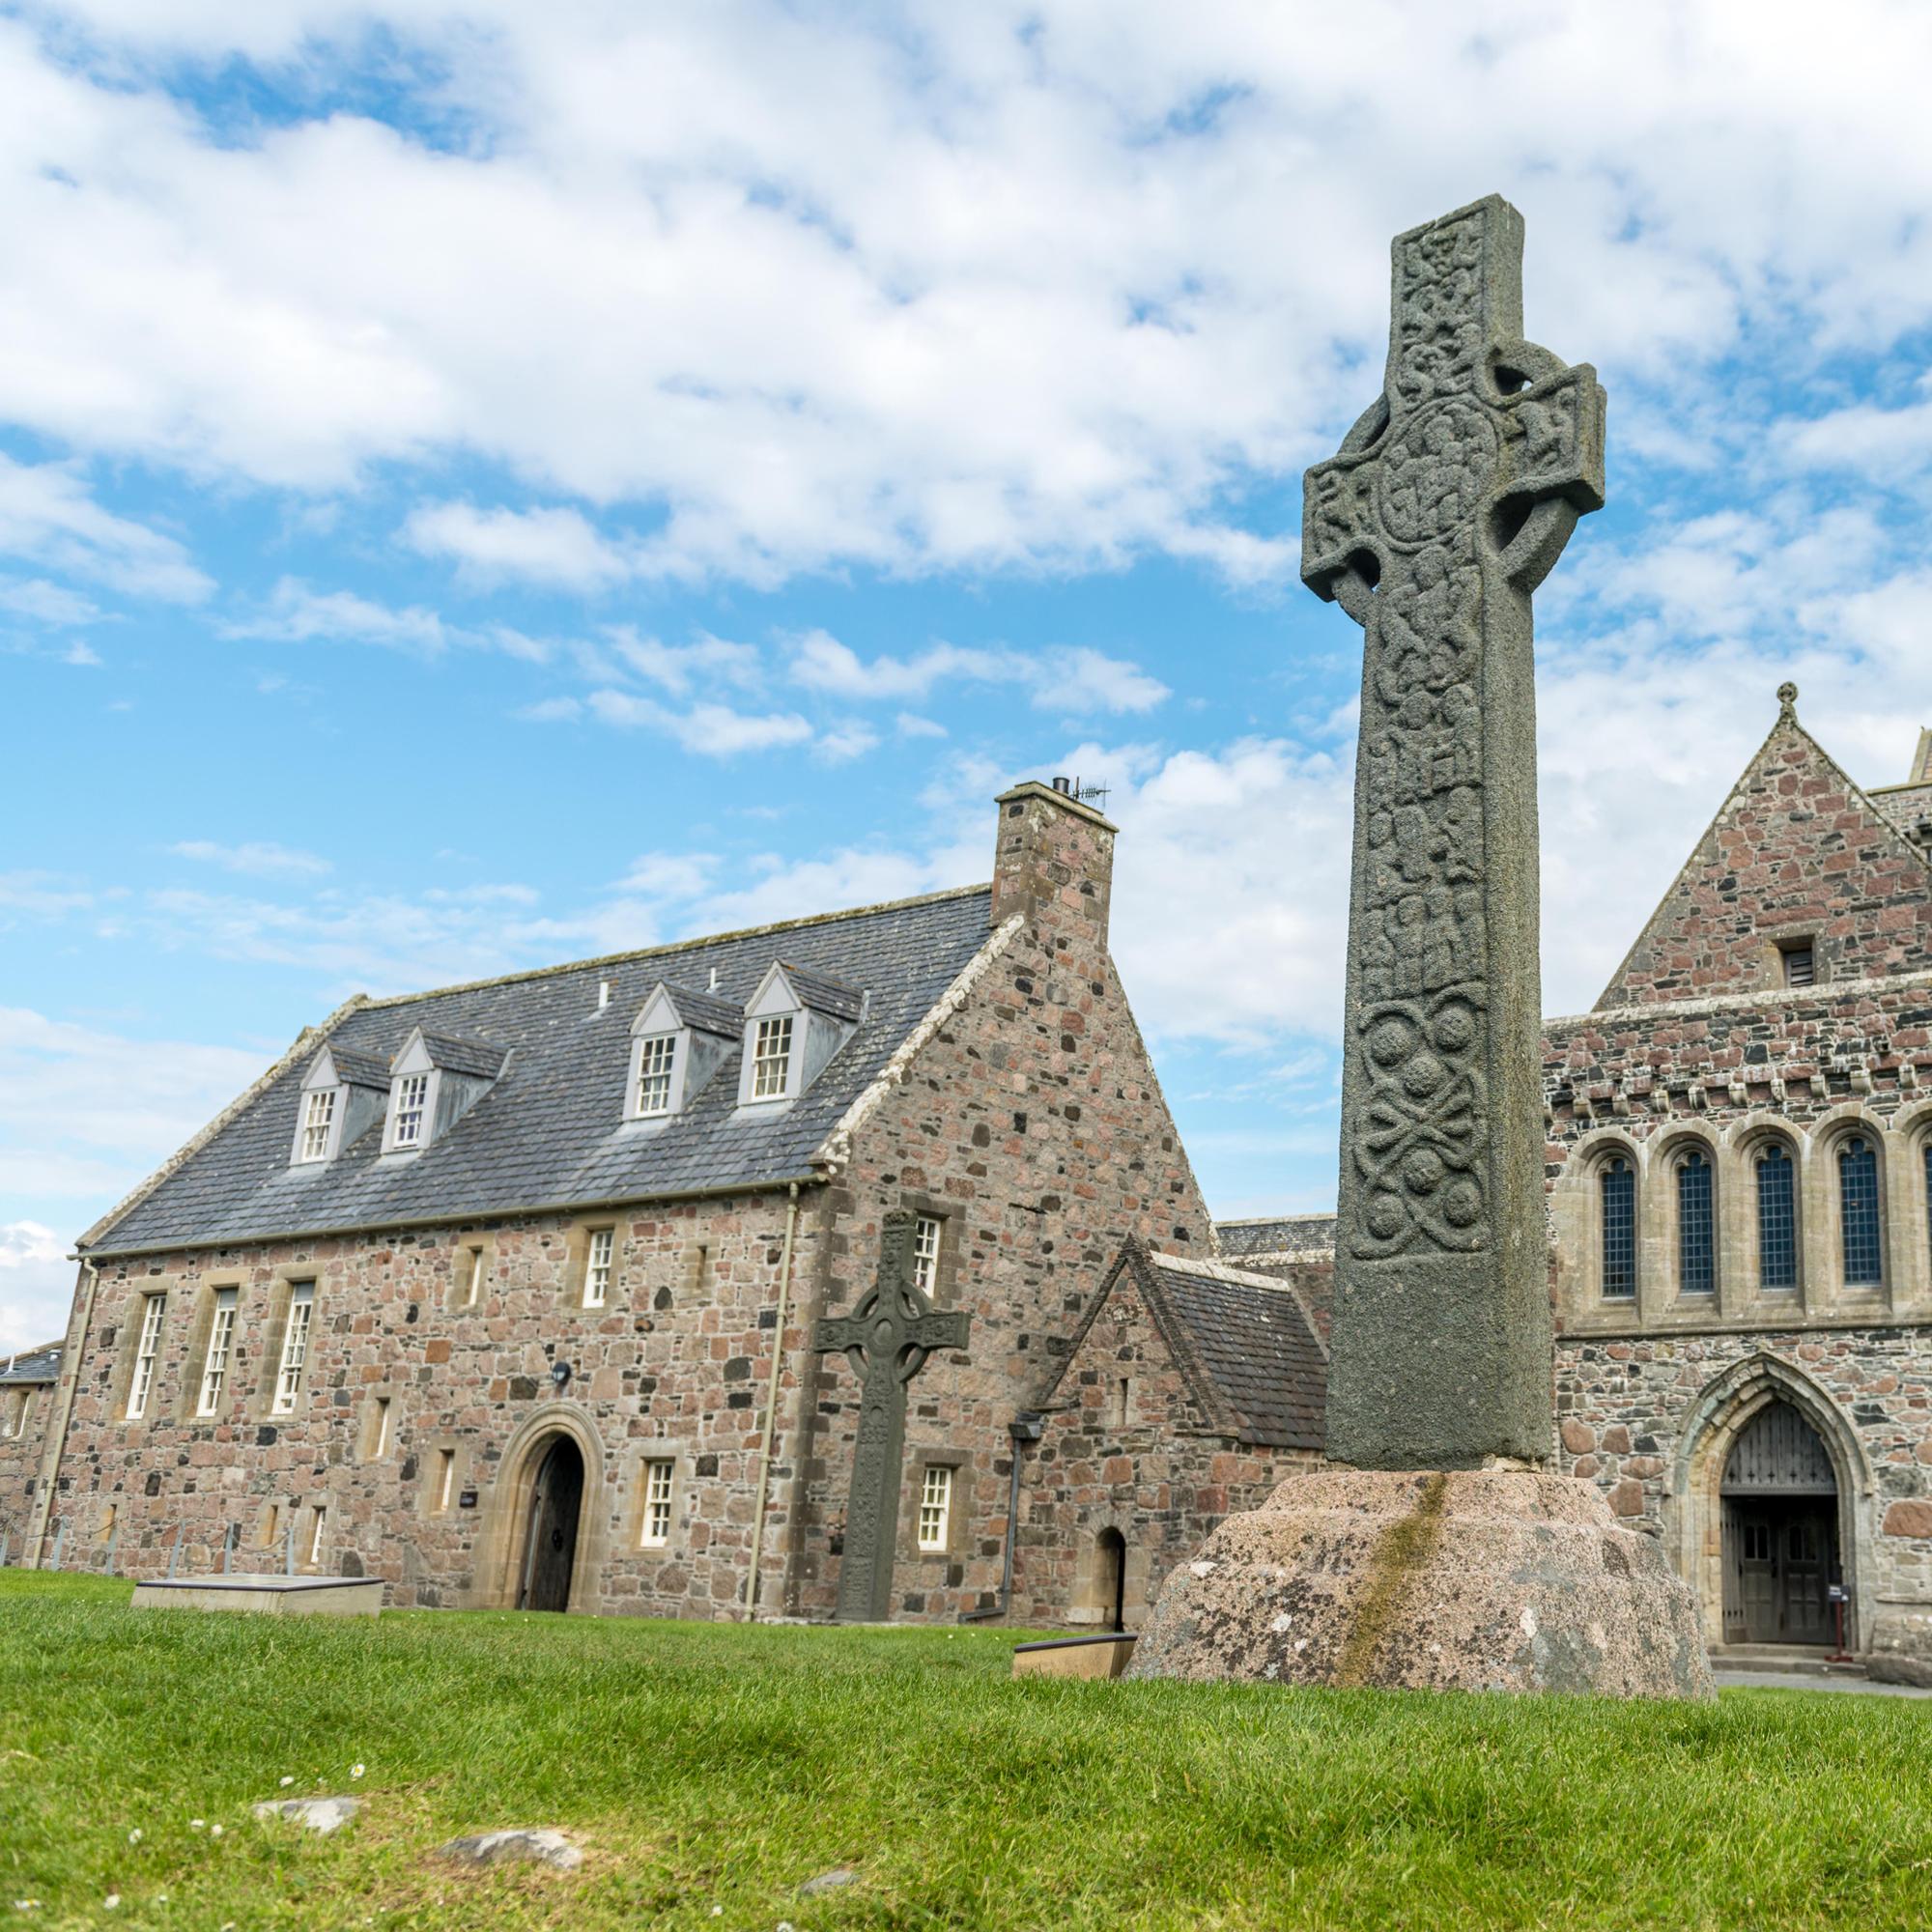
(1445, 507)
(886, 1338)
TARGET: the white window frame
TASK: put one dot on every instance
(660, 1483)
(600, 1262)
(655, 1066)
(318, 1127)
(935, 1509)
(295, 1347)
(401, 1110)
(773, 1027)
(926, 1232)
(220, 1348)
(147, 1353)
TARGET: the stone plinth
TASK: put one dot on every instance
(1104, 1656)
(279, 1596)
(1479, 1579)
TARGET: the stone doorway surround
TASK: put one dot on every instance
(1693, 1515)
(506, 1513)
(1110, 1582)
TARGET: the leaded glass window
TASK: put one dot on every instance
(1777, 1220)
(1617, 1185)
(1928, 1184)
(1696, 1249)
(1858, 1212)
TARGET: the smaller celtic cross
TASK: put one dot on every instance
(886, 1338)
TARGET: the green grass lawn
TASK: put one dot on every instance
(709, 1770)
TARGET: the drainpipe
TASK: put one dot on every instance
(771, 1406)
(69, 1384)
(1026, 1427)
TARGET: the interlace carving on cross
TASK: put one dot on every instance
(1455, 492)
(886, 1338)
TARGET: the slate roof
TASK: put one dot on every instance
(551, 1132)
(33, 1365)
(1295, 1235)
(824, 996)
(1253, 1365)
(465, 1056)
(706, 1011)
(360, 1070)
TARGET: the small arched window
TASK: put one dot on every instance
(1928, 1184)
(1776, 1219)
(1697, 1247)
(1857, 1213)
(1616, 1185)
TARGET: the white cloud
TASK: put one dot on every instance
(973, 287)
(46, 514)
(263, 859)
(50, 603)
(710, 730)
(1069, 680)
(296, 613)
(36, 1281)
(676, 667)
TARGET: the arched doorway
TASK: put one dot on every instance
(1780, 1501)
(550, 1536)
(1110, 1577)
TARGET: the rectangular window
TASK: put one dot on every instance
(657, 1504)
(1696, 1248)
(17, 1412)
(146, 1353)
(318, 1115)
(1801, 965)
(220, 1339)
(271, 1522)
(1859, 1216)
(771, 1058)
(411, 1097)
(315, 1522)
(295, 1347)
(935, 1509)
(382, 1447)
(469, 1275)
(1777, 1220)
(654, 1061)
(597, 1268)
(1122, 1391)
(925, 1253)
(1618, 1186)
(445, 1478)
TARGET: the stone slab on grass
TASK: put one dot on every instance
(523, 1845)
(278, 1596)
(312, 1814)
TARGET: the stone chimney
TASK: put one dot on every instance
(1053, 862)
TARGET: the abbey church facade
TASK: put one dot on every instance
(531, 1291)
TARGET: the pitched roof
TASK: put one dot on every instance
(706, 1011)
(33, 1365)
(1252, 1363)
(359, 1070)
(551, 1132)
(1296, 1236)
(465, 1056)
(823, 995)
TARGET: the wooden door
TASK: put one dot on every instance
(1734, 1575)
(1757, 1575)
(1806, 1535)
(550, 1546)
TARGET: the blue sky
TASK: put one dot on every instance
(482, 485)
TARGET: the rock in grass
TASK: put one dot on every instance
(496, 1848)
(828, 1880)
(312, 1814)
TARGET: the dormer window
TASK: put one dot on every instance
(656, 1056)
(317, 1122)
(412, 1099)
(436, 1079)
(678, 1042)
(770, 1061)
(793, 1025)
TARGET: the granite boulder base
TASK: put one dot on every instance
(1471, 1579)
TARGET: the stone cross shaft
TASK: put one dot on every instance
(886, 1338)
(1446, 506)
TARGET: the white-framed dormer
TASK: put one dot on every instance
(434, 1081)
(341, 1097)
(677, 1041)
(794, 1023)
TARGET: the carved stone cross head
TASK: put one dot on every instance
(892, 1331)
(1476, 431)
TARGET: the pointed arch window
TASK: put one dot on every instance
(1697, 1246)
(1928, 1184)
(1616, 1187)
(1859, 1238)
(1776, 1219)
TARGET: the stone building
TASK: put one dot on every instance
(1739, 1162)
(27, 1386)
(510, 1292)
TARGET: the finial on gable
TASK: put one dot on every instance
(1787, 703)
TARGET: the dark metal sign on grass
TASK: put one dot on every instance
(886, 1338)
